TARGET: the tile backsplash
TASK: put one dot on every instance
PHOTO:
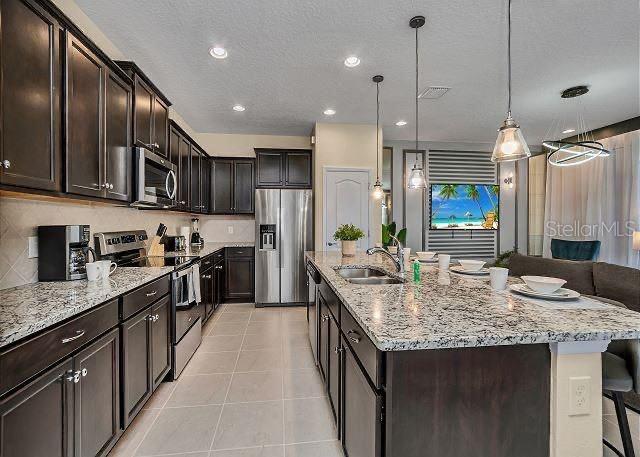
(19, 219)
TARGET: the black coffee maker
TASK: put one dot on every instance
(63, 252)
(196, 238)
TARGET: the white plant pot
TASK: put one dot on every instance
(348, 248)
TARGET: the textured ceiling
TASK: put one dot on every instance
(285, 61)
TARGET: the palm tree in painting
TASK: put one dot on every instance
(447, 191)
(493, 191)
(473, 194)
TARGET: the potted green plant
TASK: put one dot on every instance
(348, 234)
(387, 232)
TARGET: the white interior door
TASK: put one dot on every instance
(345, 201)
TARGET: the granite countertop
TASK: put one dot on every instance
(25, 310)
(449, 310)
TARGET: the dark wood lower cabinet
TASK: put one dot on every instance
(136, 364)
(160, 332)
(97, 396)
(37, 420)
(239, 278)
(323, 336)
(361, 410)
(333, 379)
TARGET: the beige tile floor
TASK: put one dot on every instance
(250, 390)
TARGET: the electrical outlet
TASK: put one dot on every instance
(230, 229)
(33, 247)
(579, 395)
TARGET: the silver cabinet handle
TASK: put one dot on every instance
(183, 202)
(338, 349)
(6, 163)
(74, 376)
(218, 267)
(84, 372)
(79, 334)
(206, 276)
(156, 145)
(150, 317)
(156, 317)
(325, 317)
(356, 338)
(110, 186)
(151, 294)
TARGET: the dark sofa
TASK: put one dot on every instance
(600, 279)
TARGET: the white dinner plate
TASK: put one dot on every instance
(460, 269)
(560, 294)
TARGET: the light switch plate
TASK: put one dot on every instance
(33, 247)
(579, 395)
(230, 229)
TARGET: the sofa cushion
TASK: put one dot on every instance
(578, 274)
(618, 283)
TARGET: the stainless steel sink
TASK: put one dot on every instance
(349, 273)
(375, 280)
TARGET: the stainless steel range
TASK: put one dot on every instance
(128, 249)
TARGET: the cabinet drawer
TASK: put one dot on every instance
(218, 255)
(25, 360)
(333, 302)
(239, 252)
(144, 296)
(368, 355)
(207, 262)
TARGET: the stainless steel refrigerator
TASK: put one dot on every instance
(284, 230)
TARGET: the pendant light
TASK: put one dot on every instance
(416, 178)
(377, 193)
(578, 149)
(510, 144)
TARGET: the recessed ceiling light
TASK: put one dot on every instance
(238, 108)
(218, 52)
(329, 112)
(401, 123)
(351, 61)
(569, 131)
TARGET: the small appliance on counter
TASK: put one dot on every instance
(196, 238)
(175, 243)
(63, 252)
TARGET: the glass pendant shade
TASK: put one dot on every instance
(416, 178)
(377, 193)
(510, 144)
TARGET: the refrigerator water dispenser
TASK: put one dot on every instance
(267, 237)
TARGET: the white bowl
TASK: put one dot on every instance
(543, 284)
(425, 255)
(472, 265)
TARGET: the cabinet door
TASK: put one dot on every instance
(206, 288)
(174, 156)
(97, 396)
(323, 337)
(205, 184)
(239, 278)
(37, 420)
(297, 169)
(361, 411)
(143, 114)
(222, 186)
(334, 366)
(136, 364)
(185, 175)
(269, 169)
(30, 67)
(244, 187)
(160, 349)
(118, 138)
(196, 206)
(85, 100)
(218, 284)
(160, 127)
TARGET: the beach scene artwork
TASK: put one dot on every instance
(465, 206)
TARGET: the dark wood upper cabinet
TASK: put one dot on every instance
(37, 419)
(222, 182)
(151, 111)
(243, 187)
(184, 180)
(30, 88)
(143, 114)
(85, 100)
(97, 396)
(196, 204)
(118, 138)
(205, 183)
(269, 169)
(277, 168)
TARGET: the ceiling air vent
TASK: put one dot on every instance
(433, 92)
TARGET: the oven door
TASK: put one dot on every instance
(186, 307)
(156, 180)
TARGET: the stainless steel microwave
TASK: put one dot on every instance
(156, 181)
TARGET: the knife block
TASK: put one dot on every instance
(155, 248)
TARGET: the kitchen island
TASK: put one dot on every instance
(447, 366)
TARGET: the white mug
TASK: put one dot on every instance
(406, 254)
(443, 261)
(94, 270)
(108, 267)
(498, 277)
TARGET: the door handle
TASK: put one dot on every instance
(325, 317)
(6, 164)
(356, 338)
(79, 334)
(329, 243)
(151, 294)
